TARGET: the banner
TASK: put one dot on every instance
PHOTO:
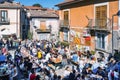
(76, 40)
(88, 41)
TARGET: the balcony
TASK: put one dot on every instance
(5, 21)
(99, 24)
(64, 25)
(43, 30)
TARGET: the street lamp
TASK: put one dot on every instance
(118, 14)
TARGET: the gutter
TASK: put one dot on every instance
(70, 2)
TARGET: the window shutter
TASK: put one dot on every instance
(43, 25)
(66, 18)
(101, 16)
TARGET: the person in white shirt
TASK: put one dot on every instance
(22, 66)
(29, 76)
(81, 65)
(34, 51)
(116, 74)
(14, 72)
(109, 75)
(48, 56)
(38, 44)
(66, 72)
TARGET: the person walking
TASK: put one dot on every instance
(14, 72)
(33, 75)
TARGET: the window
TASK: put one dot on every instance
(101, 16)
(101, 41)
(66, 15)
(66, 18)
(43, 25)
(3, 15)
(65, 34)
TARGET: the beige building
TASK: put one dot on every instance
(13, 19)
(44, 23)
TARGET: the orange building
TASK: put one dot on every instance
(87, 24)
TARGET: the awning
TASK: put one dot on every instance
(6, 32)
(88, 40)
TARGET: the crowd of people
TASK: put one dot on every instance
(43, 60)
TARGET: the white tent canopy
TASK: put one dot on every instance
(6, 32)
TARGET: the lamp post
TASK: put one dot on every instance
(118, 14)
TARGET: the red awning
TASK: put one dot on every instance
(88, 38)
(88, 41)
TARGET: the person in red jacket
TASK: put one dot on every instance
(33, 75)
(4, 50)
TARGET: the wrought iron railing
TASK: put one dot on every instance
(4, 21)
(64, 23)
(99, 24)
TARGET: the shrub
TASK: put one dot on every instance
(30, 35)
(65, 44)
(93, 52)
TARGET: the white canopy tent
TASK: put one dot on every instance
(6, 32)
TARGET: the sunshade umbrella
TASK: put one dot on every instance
(2, 58)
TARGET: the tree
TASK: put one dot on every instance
(37, 5)
(30, 34)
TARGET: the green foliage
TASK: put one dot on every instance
(59, 43)
(93, 52)
(37, 5)
(30, 35)
(65, 44)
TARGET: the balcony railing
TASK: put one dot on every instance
(64, 23)
(43, 30)
(99, 24)
(4, 21)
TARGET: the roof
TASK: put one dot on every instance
(33, 8)
(45, 14)
(70, 2)
(67, 2)
(10, 5)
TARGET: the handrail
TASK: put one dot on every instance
(6, 20)
(64, 23)
(99, 24)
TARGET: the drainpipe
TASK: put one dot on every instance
(119, 24)
(17, 23)
(119, 16)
